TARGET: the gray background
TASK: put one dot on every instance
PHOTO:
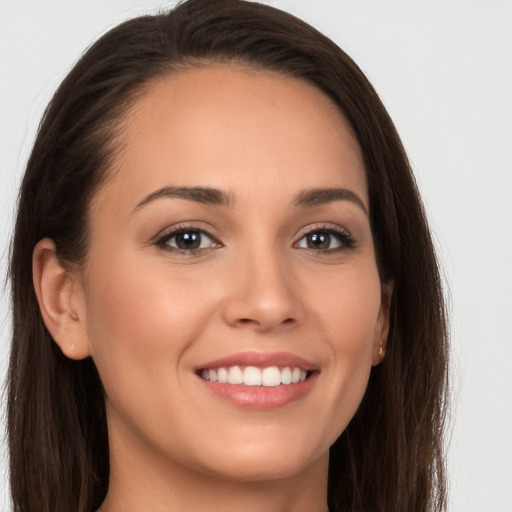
(443, 69)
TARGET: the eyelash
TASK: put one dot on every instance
(163, 241)
(346, 240)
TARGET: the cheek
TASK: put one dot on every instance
(138, 321)
(350, 320)
(356, 327)
(348, 307)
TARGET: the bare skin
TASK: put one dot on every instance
(235, 223)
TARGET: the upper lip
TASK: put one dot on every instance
(260, 359)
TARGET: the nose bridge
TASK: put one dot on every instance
(263, 292)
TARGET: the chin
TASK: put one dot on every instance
(263, 461)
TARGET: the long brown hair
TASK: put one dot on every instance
(390, 457)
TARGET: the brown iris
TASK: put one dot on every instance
(318, 240)
(188, 240)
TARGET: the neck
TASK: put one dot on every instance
(214, 495)
(141, 480)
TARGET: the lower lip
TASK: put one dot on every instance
(260, 397)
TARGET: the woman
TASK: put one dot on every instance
(225, 292)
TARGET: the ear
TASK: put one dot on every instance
(60, 296)
(382, 325)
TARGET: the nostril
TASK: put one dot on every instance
(250, 321)
(245, 321)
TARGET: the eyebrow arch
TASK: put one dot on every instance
(203, 195)
(319, 196)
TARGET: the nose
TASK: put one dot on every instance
(263, 294)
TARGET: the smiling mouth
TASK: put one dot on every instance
(270, 376)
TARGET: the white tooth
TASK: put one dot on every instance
(205, 374)
(271, 376)
(235, 375)
(295, 375)
(286, 375)
(213, 375)
(222, 375)
(303, 374)
(252, 376)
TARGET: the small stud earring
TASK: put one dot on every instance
(381, 348)
(72, 347)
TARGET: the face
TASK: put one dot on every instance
(232, 302)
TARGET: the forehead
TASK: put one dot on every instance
(228, 126)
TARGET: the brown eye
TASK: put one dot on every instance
(318, 240)
(187, 240)
(326, 240)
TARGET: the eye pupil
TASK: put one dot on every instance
(319, 240)
(188, 240)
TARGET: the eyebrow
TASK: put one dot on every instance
(203, 195)
(212, 196)
(319, 196)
